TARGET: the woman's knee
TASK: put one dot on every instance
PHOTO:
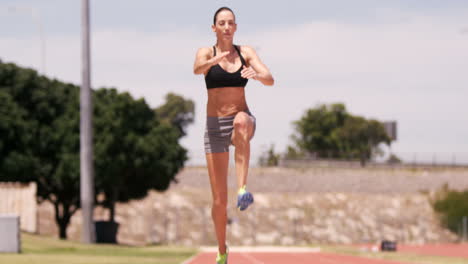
(220, 203)
(242, 126)
(218, 209)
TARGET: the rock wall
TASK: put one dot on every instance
(291, 207)
(20, 199)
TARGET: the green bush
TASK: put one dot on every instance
(452, 207)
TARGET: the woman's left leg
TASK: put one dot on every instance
(241, 135)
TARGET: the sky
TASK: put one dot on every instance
(398, 60)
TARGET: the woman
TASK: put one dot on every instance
(227, 68)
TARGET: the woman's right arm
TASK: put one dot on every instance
(203, 60)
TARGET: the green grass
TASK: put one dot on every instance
(46, 250)
(395, 256)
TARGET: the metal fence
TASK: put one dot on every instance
(408, 159)
(434, 158)
(463, 229)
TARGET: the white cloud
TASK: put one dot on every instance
(413, 71)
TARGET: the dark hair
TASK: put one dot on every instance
(219, 10)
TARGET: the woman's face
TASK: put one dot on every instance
(225, 26)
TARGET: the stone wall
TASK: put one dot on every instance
(291, 207)
(20, 199)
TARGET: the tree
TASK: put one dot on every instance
(39, 128)
(329, 131)
(393, 159)
(13, 138)
(48, 147)
(315, 130)
(135, 151)
(269, 158)
(177, 111)
(359, 137)
(294, 153)
(452, 207)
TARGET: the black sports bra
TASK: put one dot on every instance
(218, 77)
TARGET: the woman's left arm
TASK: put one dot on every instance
(257, 70)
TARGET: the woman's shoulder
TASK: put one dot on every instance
(246, 48)
(247, 52)
(206, 51)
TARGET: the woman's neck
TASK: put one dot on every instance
(224, 45)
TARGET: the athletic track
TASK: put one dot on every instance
(291, 257)
(446, 250)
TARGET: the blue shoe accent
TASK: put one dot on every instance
(244, 199)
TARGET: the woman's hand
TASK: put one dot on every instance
(204, 61)
(248, 73)
(216, 59)
(261, 71)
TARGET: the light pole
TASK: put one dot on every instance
(36, 18)
(86, 133)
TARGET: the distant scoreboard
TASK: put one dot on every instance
(391, 129)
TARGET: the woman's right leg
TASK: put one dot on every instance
(218, 164)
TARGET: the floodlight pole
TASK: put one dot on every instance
(86, 134)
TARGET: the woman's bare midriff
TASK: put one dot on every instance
(226, 101)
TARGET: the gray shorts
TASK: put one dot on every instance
(218, 132)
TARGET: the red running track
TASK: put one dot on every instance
(286, 258)
(446, 250)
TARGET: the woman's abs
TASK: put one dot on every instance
(226, 101)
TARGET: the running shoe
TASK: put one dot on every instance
(244, 199)
(222, 258)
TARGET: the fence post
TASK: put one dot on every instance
(465, 228)
(459, 230)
